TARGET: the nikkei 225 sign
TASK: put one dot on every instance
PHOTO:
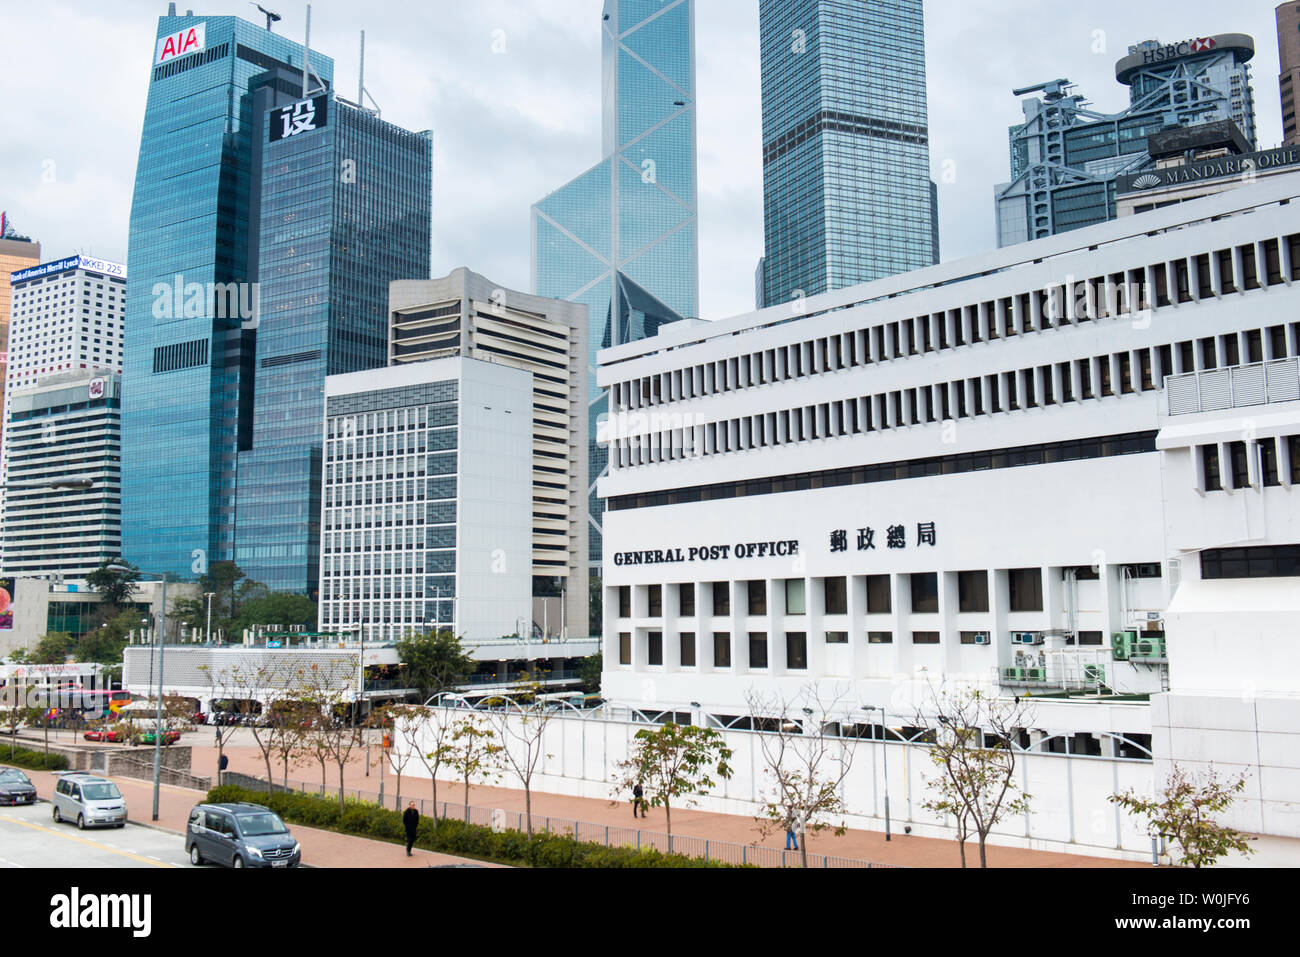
(301, 117)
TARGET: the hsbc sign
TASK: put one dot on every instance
(181, 43)
(1173, 51)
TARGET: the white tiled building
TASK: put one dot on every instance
(970, 473)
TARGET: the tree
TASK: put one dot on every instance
(589, 670)
(807, 772)
(473, 752)
(671, 762)
(115, 588)
(53, 648)
(523, 733)
(411, 726)
(596, 601)
(1184, 810)
(976, 782)
(333, 736)
(105, 643)
(434, 661)
(277, 608)
(289, 722)
(386, 719)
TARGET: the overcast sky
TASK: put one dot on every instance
(511, 126)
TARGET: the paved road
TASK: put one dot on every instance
(30, 838)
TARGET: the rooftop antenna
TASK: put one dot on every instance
(307, 89)
(362, 92)
(271, 17)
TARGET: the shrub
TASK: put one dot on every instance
(32, 760)
(364, 819)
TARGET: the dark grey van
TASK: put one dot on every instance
(240, 835)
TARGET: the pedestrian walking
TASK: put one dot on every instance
(638, 800)
(791, 841)
(411, 819)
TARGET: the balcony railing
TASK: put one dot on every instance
(1258, 383)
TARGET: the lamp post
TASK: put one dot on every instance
(210, 595)
(162, 645)
(885, 754)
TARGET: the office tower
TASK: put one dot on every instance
(1288, 54)
(64, 430)
(846, 156)
(65, 315)
(466, 314)
(346, 200)
(191, 304)
(1065, 157)
(17, 253)
(622, 238)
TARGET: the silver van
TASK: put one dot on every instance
(89, 800)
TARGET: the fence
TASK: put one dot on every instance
(610, 835)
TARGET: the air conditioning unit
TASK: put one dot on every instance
(1149, 648)
(1121, 644)
(1026, 638)
(982, 639)
(1035, 674)
(1094, 674)
(1014, 674)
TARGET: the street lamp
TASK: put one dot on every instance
(885, 752)
(158, 723)
(210, 595)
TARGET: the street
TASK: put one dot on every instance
(30, 838)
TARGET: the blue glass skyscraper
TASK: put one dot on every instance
(346, 201)
(623, 236)
(187, 373)
(846, 156)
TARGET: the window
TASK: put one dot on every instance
(1210, 473)
(625, 602)
(722, 598)
(1267, 561)
(925, 637)
(655, 648)
(656, 595)
(925, 593)
(688, 649)
(880, 637)
(796, 650)
(973, 591)
(837, 637)
(1026, 587)
(836, 596)
(686, 598)
(1090, 638)
(758, 649)
(721, 649)
(972, 637)
(794, 597)
(757, 597)
(878, 600)
(624, 648)
(1237, 456)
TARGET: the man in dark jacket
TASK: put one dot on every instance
(411, 819)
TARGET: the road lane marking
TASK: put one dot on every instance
(73, 837)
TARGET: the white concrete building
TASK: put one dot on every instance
(971, 473)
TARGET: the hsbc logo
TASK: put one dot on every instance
(1202, 44)
(1173, 51)
(183, 42)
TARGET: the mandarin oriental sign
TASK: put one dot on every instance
(1219, 167)
(180, 43)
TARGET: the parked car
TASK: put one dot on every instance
(240, 835)
(147, 737)
(104, 734)
(88, 800)
(16, 787)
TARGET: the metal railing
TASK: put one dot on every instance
(1257, 383)
(609, 835)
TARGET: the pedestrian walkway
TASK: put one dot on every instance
(319, 848)
(903, 851)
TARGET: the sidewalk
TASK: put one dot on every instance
(319, 848)
(903, 850)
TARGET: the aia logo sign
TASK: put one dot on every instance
(1202, 44)
(181, 43)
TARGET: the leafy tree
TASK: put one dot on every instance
(474, 752)
(674, 761)
(193, 610)
(523, 732)
(19, 656)
(115, 588)
(276, 608)
(434, 661)
(387, 719)
(1184, 810)
(976, 759)
(53, 648)
(105, 642)
(589, 670)
(596, 601)
(807, 772)
(411, 726)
